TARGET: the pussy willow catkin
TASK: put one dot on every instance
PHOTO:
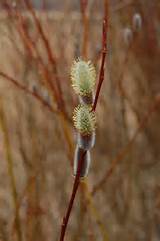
(83, 76)
(84, 119)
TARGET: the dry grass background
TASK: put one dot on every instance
(125, 206)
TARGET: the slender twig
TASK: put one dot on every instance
(48, 50)
(101, 73)
(32, 48)
(33, 52)
(25, 89)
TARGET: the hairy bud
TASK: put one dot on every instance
(34, 88)
(137, 22)
(84, 119)
(83, 77)
(88, 100)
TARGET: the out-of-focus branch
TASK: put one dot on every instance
(94, 211)
(10, 164)
(48, 50)
(33, 52)
(121, 155)
(85, 21)
(26, 90)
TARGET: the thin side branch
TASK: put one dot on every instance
(25, 89)
(48, 50)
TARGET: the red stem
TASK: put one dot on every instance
(49, 52)
(74, 191)
(101, 73)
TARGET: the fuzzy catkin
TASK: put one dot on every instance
(83, 76)
(84, 119)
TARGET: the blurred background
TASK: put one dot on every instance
(120, 198)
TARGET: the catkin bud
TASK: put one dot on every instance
(128, 36)
(86, 142)
(88, 100)
(83, 77)
(14, 4)
(84, 119)
(34, 88)
(79, 154)
(137, 22)
(46, 97)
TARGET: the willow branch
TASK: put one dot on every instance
(80, 163)
(26, 90)
(74, 191)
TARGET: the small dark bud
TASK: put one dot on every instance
(88, 100)
(34, 88)
(46, 97)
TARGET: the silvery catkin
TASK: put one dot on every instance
(83, 78)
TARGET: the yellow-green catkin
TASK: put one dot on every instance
(84, 119)
(83, 77)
